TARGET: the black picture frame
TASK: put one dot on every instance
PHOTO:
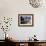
(26, 20)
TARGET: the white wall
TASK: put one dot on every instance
(12, 8)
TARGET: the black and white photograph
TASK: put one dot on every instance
(25, 19)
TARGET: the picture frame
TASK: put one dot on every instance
(25, 20)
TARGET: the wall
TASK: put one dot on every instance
(11, 8)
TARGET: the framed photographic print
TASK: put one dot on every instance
(25, 20)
